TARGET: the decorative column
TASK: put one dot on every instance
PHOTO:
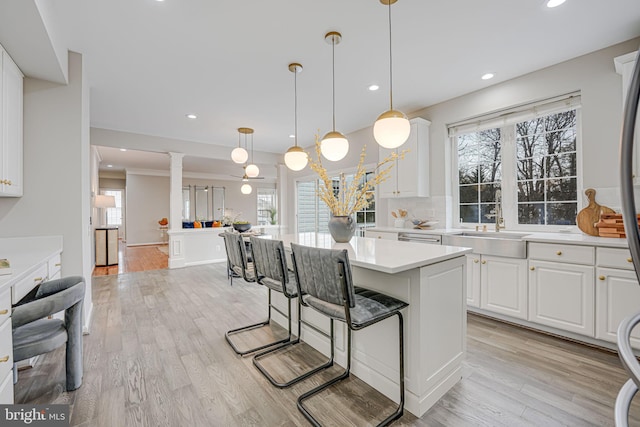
(176, 240)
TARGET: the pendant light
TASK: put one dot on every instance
(334, 145)
(251, 169)
(246, 189)
(239, 155)
(295, 158)
(392, 128)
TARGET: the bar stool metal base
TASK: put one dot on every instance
(272, 353)
(394, 416)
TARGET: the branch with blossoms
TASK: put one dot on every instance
(356, 196)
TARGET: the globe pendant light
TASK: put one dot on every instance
(295, 158)
(392, 128)
(239, 155)
(251, 169)
(246, 189)
(334, 145)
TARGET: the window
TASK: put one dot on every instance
(314, 215)
(267, 206)
(114, 215)
(530, 154)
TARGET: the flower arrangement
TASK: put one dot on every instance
(399, 213)
(357, 195)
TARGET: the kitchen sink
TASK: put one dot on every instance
(503, 243)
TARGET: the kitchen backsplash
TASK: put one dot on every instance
(436, 207)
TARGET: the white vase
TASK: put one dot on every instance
(399, 223)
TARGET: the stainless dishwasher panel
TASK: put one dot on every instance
(429, 239)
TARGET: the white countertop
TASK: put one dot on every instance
(387, 256)
(562, 238)
(25, 254)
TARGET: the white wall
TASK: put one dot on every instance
(147, 203)
(56, 197)
(593, 75)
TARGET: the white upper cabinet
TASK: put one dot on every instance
(409, 176)
(624, 66)
(11, 126)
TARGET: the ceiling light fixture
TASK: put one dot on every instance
(554, 3)
(251, 169)
(246, 189)
(487, 76)
(109, 166)
(334, 145)
(295, 158)
(392, 127)
(240, 155)
(123, 149)
(374, 87)
(191, 116)
(292, 136)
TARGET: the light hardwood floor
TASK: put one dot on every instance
(156, 356)
(136, 258)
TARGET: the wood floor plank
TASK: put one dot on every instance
(156, 356)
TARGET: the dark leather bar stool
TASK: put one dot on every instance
(271, 271)
(324, 280)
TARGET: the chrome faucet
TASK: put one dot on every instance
(497, 211)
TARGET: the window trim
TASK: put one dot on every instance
(508, 183)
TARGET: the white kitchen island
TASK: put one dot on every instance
(432, 279)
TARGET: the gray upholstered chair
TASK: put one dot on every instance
(34, 333)
(324, 279)
(238, 263)
(271, 270)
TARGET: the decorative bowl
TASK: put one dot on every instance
(241, 226)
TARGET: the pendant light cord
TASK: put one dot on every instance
(390, 64)
(295, 105)
(333, 77)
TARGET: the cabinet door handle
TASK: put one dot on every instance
(58, 264)
(4, 359)
(629, 259)
(559, 253)
(3, 312)
(476, 261)
(601, 277)
(379, 237)
(484, 261)
(38, 279)
(532, 268)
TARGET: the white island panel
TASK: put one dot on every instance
(432, 279)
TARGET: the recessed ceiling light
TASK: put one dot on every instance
(488, 76)
(292, 136)
(554, 3)
(191, 116)
(109, 166)
(123, 149)
(374, 87)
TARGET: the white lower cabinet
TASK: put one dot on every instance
(503, 285)
(497, 284)
(473, 280)
(385, 235)
(562, 296)
(617, 297)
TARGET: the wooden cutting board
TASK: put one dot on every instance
(589, 216)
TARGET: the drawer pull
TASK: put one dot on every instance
(58, 264)
(601, 277)
(629, 259)
(476, 261)
(559, 253)
(484, 262)
(4, 359)
(37, 279)
(3, 312)
(532, 268)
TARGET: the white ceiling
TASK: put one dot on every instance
(149, 63)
